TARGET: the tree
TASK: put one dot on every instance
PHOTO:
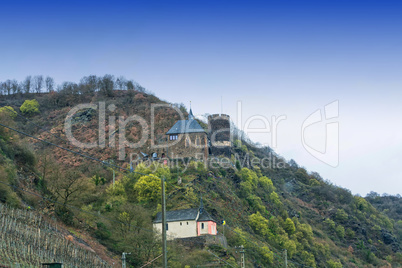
(49, 84)
(38, 83)
(121, 83)
(260, 225)
(65, 185)
(8, 111)
(275, 199)
(340, 231)
(30, 107)
(106, 85)
(341, 215)
(7, 86)
(2, 91)
(14, 86)
(130, 85)
(89, 84)
(308, 258)
(334, 264)
(289, 226)
(27, 84)
(148, 188)
(266, 184)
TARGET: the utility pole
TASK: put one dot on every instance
(242, 259)
(164, 245)
(285, 253)
(113, 178)
(123, 259)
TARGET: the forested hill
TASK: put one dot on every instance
(267, 207)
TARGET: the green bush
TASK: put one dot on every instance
(25, 155)
(9, 111)
(102, 232)
(289, 226)
(341, 215)
(340, 231)
(30, 107)
(350, 234)
(334, 264)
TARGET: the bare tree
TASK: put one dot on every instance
(121, 83)
(7, 86)
(89, 84)
(14, 86)
(130, 84)
(38, 83)
(106, 85)
(49, 84)
(27, 84)
(2, 92)
(64, 185)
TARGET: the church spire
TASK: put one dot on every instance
(190, 115)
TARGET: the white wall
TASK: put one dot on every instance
(175, 230)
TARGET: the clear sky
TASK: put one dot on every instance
(276, 57)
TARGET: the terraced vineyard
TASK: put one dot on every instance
(27, 240)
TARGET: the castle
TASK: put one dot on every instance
(187, 139)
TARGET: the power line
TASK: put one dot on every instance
(33, 123)
(76, 208)
(221, 259)
(269, 246)
(74, 152)
(94, 159)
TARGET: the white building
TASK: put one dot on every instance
(184, 223)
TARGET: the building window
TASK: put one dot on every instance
(173, 137)
(187, 141)
(187, 223)
(167, 226)
(202, 225)
(198, 141)
(180, 224)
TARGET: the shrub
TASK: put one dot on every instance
(341, 215)
(148, 188)
(9, 111)
(350, 234)
(289, 226)
(30, 107)
(340, 231)
(266, 184)
(334, 264)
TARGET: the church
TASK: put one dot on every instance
(185, 223)
(187, 138)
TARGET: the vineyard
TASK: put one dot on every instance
(28, 240)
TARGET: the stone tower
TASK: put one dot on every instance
(219, 134)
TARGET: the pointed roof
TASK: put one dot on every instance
(190, 115)
(204, 216)
(186, 126)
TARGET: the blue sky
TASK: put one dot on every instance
(276, 57)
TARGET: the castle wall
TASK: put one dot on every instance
(191, 145)
(219, 134)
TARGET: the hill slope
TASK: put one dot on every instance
(267, 208)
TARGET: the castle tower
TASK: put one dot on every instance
(219, 134)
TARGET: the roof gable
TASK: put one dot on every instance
(186, 126)
(183, 215)
(204, 216)
(178, 215)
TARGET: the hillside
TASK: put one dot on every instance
(267, 207)
(29, 240)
